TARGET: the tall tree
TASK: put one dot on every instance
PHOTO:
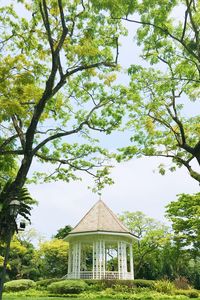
(185, 217)
(153, 236)
(57, 65)
(162, 115)
(51, 258)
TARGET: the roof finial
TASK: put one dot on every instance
(99, 193)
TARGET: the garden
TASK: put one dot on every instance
(98, 289)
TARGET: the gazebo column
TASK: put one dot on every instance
(131, 261)
(122, 260)
(76, 254)
(69, 261)
(99, 264)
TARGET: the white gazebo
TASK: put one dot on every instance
(100, 247)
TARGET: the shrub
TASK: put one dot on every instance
(144, 283)
(42, 284)
(189, 293)
(19, 285)
(95, 285)
(68, 287)
(99, 285)
(164, 286)
(182, 283)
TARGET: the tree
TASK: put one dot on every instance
(57, 65)
(161, 114)
(63, 232)
(21, 260)
(51, 258)
(19, 205)
(153, 236)
(185, 217)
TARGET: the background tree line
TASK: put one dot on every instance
(159, 253)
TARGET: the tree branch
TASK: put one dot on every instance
(7, 141)
(19, 131)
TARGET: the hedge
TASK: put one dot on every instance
(44, 283)
(19, 285)
(68, 287)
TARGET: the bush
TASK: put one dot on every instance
(68, 287)
(19, 285)
(44, 283)
(182, 283)
(143, 283)
(95, 285)
(164, 286)
(103, 284)
(189, 293)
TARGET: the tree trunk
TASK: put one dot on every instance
(3, 273)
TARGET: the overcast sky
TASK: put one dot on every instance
(136, 187)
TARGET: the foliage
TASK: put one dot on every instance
(144, 283)
(181, 283)
(58, 62)
(185, 215)
(144, 296)
(44, 283)
(22, 262)
(163, 115)
(153, 236)
(68, 287)
(164, 286)
(19, 285)
(63, 232)
(51, 258)
(117, 291)
(7, 218)
(189, 293)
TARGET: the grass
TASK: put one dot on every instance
(163, 297)
(39, 298)
(43, 298)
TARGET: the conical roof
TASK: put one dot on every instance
(100, 218)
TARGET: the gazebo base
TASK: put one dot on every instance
(108, 275)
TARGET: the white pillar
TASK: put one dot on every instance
(119, 260)
(76, 253)
(131, 262)
(122, 260)
(99, 259)
(69, 261)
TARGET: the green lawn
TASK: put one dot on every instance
(39, 298)
(164, 297)
(44, 298)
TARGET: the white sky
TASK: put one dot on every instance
(136, 186)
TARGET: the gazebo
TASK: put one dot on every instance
(100, 247)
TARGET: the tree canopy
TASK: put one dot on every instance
(58, 60)
(185, 217)
(163, 121)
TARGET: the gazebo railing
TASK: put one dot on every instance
(110, 275)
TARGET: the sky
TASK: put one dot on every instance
(138, 185)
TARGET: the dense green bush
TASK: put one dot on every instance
(68, 287)
(102, 284)
(19, 285)
(189, 293)
(42, 284)
(143, 283)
